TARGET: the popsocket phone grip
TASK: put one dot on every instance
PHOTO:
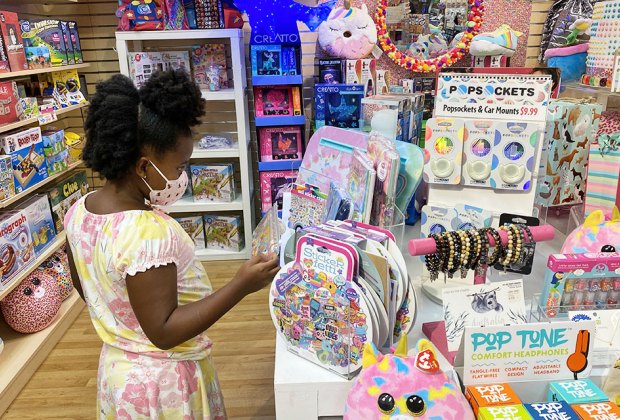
(442, 168)
(512, 173)
(478, 170)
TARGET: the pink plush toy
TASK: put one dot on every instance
(57, 266)
(595, 235)
(348, 33)
(32, 305)
(404, 387)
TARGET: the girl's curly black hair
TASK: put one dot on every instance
(122, 120)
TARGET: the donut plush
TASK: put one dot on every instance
(57, 266)
(348, 33)
(597, 234)
(32, 305)
(398, 386)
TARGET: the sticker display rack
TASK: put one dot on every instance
(127, 42)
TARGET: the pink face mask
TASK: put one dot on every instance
(173, 191)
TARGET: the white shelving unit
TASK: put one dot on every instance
(133, 42)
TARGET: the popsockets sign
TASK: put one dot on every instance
(497, 96)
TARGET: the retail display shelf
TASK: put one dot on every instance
(49, 179)
(219, 95)
(280, 121)
(216, 255)
(595, 90)
(24, 353)
(215, 153)
(277, 80)
(180, 34)
(23, 73)
(188, 205)
(60, 240)
(279, 165)
(8, 127)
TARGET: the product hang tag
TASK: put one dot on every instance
(526, 260)
(377, 52)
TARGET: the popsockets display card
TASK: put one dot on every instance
(514, 155)
(479, 138)
(444, 148)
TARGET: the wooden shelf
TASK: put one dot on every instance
(218, 255)
(219, 95)
(188, 205)
(187, 34)
(24, 353)
(60, 240)
(8, 127)
(26, 193)
(215, 153)
(23, 73)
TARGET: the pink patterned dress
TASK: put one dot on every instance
(136, 380)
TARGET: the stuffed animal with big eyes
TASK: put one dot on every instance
(397, 386)
(57, 266)
(348, 32)
(33, 304)
(595, 235)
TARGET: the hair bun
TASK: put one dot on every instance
(173, 96)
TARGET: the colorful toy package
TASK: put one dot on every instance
(195, 228)
(8, 102)
(46, 33)
(66, 34)
(590, 280)
(204, 56)
(272, 187)
(27, 108)
(62, 196)
(280, 143)
(213, 182)
(274, 101)
(38, 57)
(16, 247)
(9, 28)
(551, 410)
(581, 391)
(223, 232)
(338, 105)
(597, 411)
(266, 60)
(39, 215)
(266, 236)
(7, 180)
(75, 40)
(491, 395)
(142, 65)
(512, 412)
(28, 160)
(53, 141)
(57, 163)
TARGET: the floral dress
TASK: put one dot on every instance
(136, 380)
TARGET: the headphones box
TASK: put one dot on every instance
(602, 410)
(582, 391)
(551, 410)
(492, 395)
(504, 412)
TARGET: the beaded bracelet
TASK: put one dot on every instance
(498, 249)
(432, 260)
(482, 262)
(476, 246)
(444, 247)
(519, 243)
(455, 254)
(465, 251)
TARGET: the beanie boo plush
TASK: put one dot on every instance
(348, 32)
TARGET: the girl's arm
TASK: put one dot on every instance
(153, 297)
(74, 275)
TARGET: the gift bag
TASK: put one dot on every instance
(174, 15)
(602, 191)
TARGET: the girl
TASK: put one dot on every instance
(149, 298)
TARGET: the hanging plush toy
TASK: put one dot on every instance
(348, 32)
(404, 387)
(33, 304)
(595, 235)
(57, 266)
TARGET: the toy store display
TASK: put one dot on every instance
(7, 180)
(349, 32)
(274, 60)
(206, 59)
(13, 43)
(37, 211)
(56, 40)
(331, 71)
(571, 128)
(604, 34)
(139, 15)
(280, 143)
(57, 266)
(272, 187)
(33, 304)
(142, 65)
(213, 183)
(223, 233)
(28, 158)
(361, 72)
(405, 386)
(338, 105)
(64, 194)
(277, 101)
(8, 99)
(16, 246)
(194, 227)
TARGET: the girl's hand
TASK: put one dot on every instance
(256, 273)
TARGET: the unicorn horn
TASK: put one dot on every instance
(347, 4)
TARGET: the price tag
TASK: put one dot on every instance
(47, 118)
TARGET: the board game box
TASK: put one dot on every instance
(273, 184)
(75, 41)
(8, 102)
(280, 143)
(266, 60)
(66, 35)
(338, 105)
(46, 33)
(7, 180)
(284, 101)
(40, 221)
(223, 233)
(213, 182)
(53, 141)
(203, 56)
(28, 160)
(13, 43)
(194, 227)
(63, 195)
(16, 247)
(38, 58)
(4, 59)
(142, 65)
(330, 71)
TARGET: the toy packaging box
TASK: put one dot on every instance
(280, 143)
(272, 187)
(571, 128)
(175, 60)
(330, 71)
(46, 33)
(28, 160)
(277, 101)
(66, 34)
(597, 411)
(505, 412)
(551, 410)
(392, 115)
(66, 193)
(16, 247)
(491, 395)
(589, 280)
(203, 56)
(142, 65)
(4, 59)
(338, 105)
(8, 102)
(223, 233)
(53, 141)
(13, 43)
(7, 180)
(362, 72)
(75, 41)
(38, 57)
(194, 227)
(39, 215)
(266, 60)
(27, 108)
(213, 182)
(57, 163)
(581, 391)
(67, 87)
(289, 61)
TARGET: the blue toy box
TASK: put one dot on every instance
(39, 214)
(582, 391)
(338, 105)
(27, 157)
(551, 410)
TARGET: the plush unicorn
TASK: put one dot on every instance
(348, 32)
(595, 235)
(399, 387)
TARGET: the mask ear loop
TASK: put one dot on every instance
(160, 174)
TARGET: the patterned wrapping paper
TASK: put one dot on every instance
(602, 191)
